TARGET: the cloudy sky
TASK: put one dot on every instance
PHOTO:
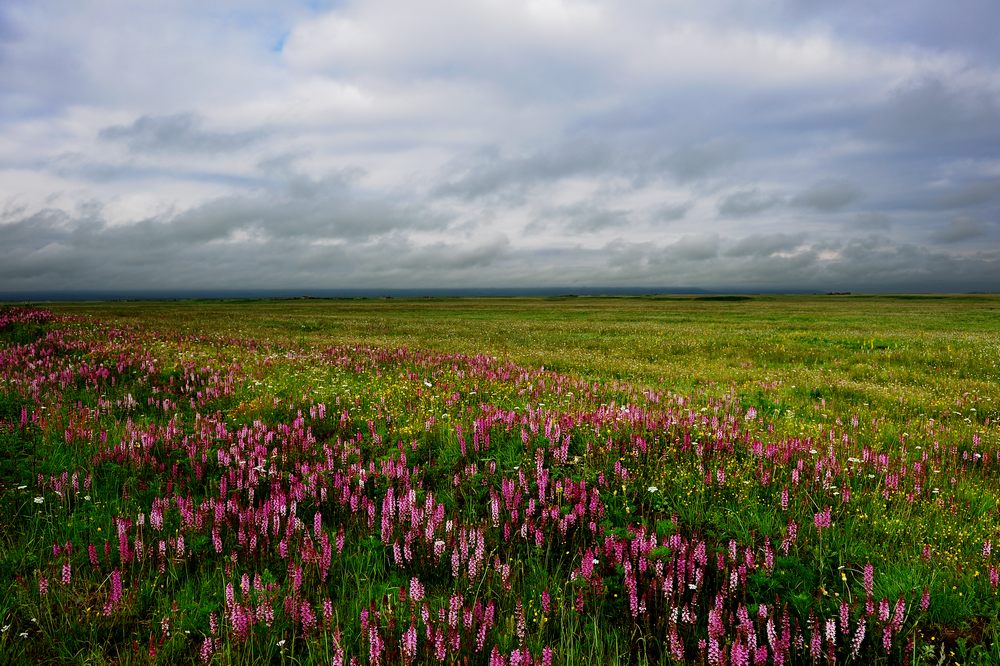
(728, 144)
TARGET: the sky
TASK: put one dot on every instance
(741, 145)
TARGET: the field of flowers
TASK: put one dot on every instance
(500, 483)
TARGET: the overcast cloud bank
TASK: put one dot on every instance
(320, 145)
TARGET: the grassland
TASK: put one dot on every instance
(640, 480)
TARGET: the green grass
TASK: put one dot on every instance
(917, 375)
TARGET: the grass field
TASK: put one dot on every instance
(744, 480)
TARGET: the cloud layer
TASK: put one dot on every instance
(311, 145)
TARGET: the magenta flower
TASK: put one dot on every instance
(116, 592)
(416, 589)
(823, 519)
(409, 644)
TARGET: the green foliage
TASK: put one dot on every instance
(914, 380)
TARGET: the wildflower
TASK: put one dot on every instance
(859, 637)
(822, 519)
(652, 489)
(39, 500)
(43, 586)
(327, 611)
(116, 591)
(416, 589)
(307, 615)
(409, 643)
(883, 610)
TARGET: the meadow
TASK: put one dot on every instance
(712, 480)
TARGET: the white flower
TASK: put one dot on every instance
(86, 497)
(39, 500)
(21, 488)
(652, 489)
(281, 643)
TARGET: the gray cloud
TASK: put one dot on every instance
(671, 213)
(964, 26)
(449, 256)
(858, 264)
(217, 243)
(694, 247)
(765, 245)
(490, 172)
(958, 230)
(181, 132)
(872, 221)
(583, 217)
(698, 161)
(828, 195)
(746, 203)
(971, 194)
(303, 208)
(931, 113)
(354, 144)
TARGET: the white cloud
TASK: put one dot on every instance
(527, 142)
